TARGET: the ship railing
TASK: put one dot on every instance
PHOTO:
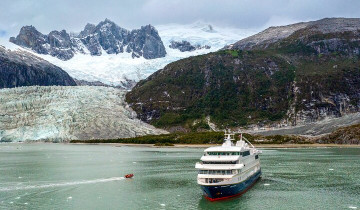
(214, 181)
(221, 166)
(218, 172)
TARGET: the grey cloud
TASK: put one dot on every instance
(47, 15)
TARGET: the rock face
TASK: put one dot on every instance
(19, 68)
(65, 113)
(184, 46)
(274, 34)
(107, 36)
(305, 77)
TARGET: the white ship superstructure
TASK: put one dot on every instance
(228, 170)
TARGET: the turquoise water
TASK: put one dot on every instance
(59, 176)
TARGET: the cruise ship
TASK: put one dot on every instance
(228, 170)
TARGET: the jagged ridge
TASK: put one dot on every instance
(144, 42)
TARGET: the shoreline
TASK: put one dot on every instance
(210, 145)
(200, 145)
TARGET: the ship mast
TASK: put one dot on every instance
(243, 137)
(229, 137)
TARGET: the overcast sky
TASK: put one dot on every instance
(72, 15)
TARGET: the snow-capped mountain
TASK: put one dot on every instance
(94, 39)
(124, 68)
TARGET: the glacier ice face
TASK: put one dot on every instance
(63, 113)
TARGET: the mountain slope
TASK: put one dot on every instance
(305, 77)
(65, 113)
(273, 34)
(19, 68)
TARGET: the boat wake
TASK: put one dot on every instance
(29, 187)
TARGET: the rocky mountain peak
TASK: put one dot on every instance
(107, 24)
(146, 42)
(209, 28)
(30, 37)
(87, 30)
(184, 46)
(106, 35)
(148, 28)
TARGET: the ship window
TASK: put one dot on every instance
(246, 153)
(216, 172)
(222, 153)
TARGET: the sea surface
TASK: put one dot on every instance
(64, 176)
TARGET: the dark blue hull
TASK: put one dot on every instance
(227, 191)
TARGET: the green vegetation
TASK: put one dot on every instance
(231, 94)
(174, 138)
(166, 144)
(198, 138)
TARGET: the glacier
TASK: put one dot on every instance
(62, 113)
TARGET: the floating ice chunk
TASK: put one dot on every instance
(178, 195)
(17, 198)
(162, 204)
(134, 162)
(11, 202)
(69, 198)
(331, 169)
(26, 203)
(266, 184)
(352, 207)
(20, 177)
